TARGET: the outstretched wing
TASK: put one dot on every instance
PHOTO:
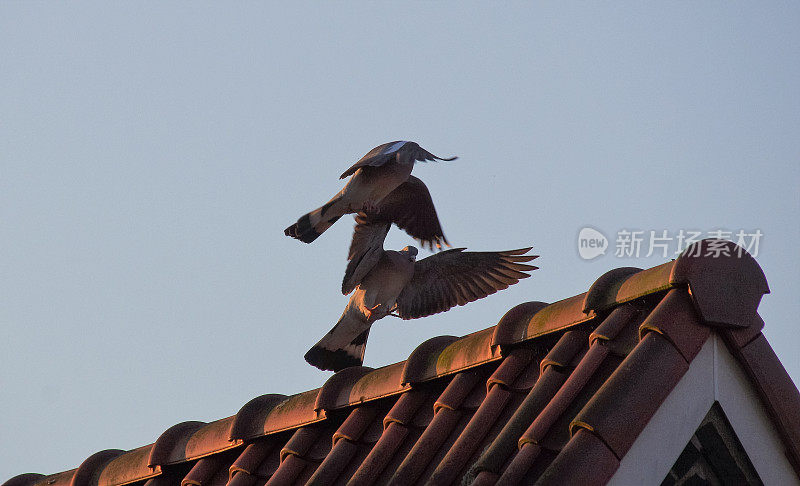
(411, 208)
(399, 150)
(366, 249)
(455, 277)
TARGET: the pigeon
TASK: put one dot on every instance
(376, 175)
(399, 285)
(411, 208)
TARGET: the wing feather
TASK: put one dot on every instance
(455, 277)
(366, 250)
(410, 151)
(411, 208)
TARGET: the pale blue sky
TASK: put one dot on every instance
(151, 154)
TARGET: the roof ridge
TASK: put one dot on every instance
(703, 267)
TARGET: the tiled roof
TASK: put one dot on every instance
(552, 394)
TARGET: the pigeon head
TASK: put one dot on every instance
(411, 252)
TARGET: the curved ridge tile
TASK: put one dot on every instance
(335, 393)
(248, 422)
(24, 479)
(382, 382)
(469, 351)
(175, 437)
(726, 282)
(603, 292)
(59, 479)
(295, 411)
(457, 355)
(644, 283)
(128, 468)
(90, 469)
(424, 358)
(551, 318)
(515, 321)
(208, 439)
(558, 316)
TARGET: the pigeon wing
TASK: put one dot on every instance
(411, 208)
(366, 249)
(455, 277)
(387, 152)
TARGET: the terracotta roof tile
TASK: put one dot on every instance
(203, 472)
(250, 460)
(447, 414)
(381, 454)
(288, 472)
(566, 395)
(513, 321)
(334, 463)
(209, 439)
(129, 467)
(517, 470)
(421, 363)
(726, 283)
(640, 284)
(506, 442)
(675, 319)
(163, 480)
(585, 460)
(91, 468)
(249, 421)
(173, 439)
(624, 404)
(605, 291)
(777, 390)
(472, 436)
(336, 392)
(553, 394)
(24, 479)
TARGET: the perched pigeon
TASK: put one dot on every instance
(378, 173)
(397, 283)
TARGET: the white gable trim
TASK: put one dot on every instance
(714, 375)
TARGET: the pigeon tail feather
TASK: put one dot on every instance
(311, 225)
(342, 347)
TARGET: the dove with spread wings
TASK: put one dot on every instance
(383, 173)
(393, 282)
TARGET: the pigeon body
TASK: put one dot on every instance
(373, 299)
(374, 177)
(396, 282)
(411, 208)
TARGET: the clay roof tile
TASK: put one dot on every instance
(553, 394)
